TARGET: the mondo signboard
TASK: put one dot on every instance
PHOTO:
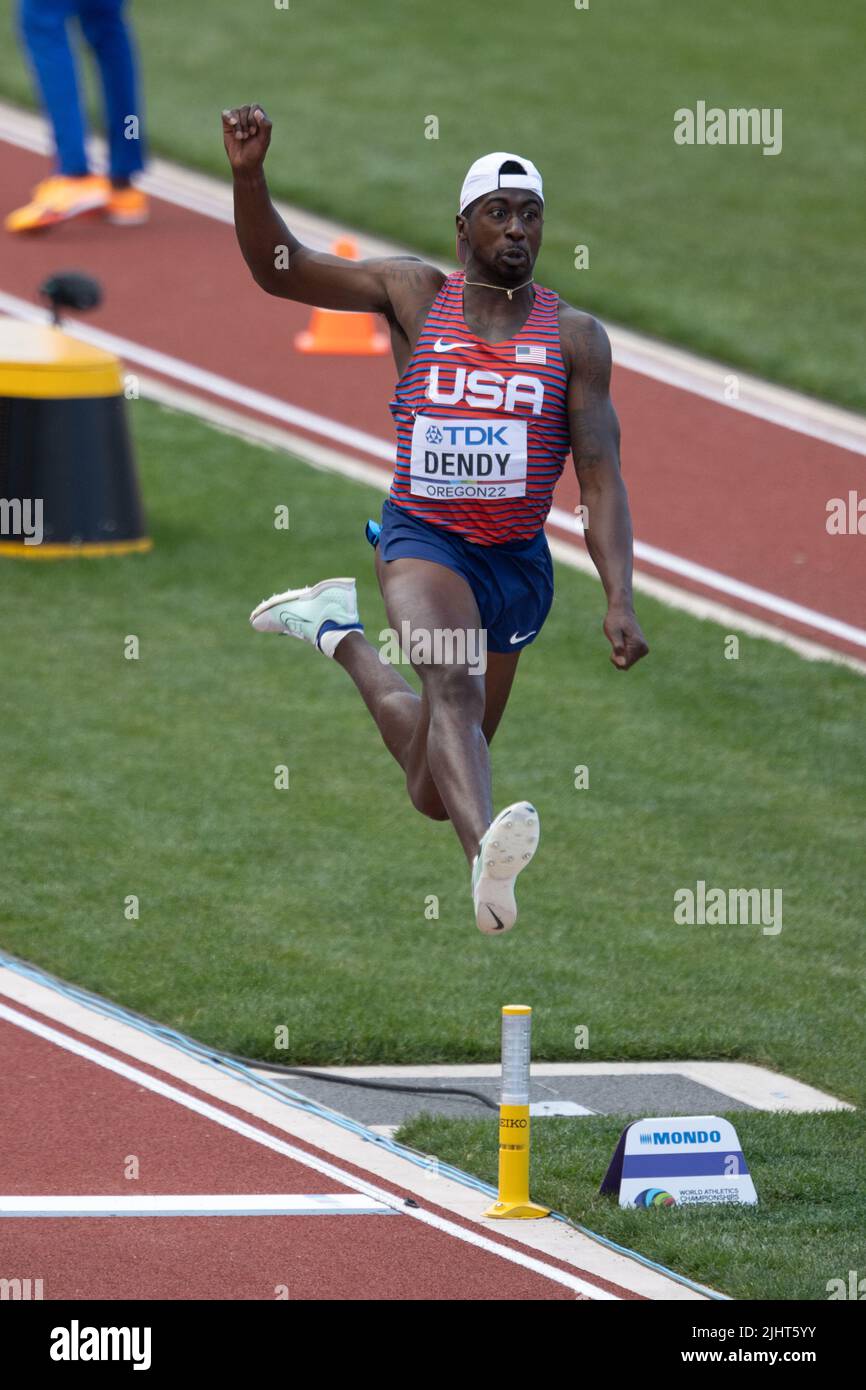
(679, 1160)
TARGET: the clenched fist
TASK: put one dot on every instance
(622, 630)
(246, 136)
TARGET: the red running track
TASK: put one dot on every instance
(708, 483)
(72, 1127)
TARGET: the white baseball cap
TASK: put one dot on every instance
(484, 177)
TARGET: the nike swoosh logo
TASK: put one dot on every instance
(522, 636)
(439, 346)
(500, 926)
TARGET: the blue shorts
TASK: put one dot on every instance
(512, 583)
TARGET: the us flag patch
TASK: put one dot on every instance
(530, 352)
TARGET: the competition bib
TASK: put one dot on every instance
(455, 459)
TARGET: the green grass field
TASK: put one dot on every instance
(755, 259)
(305, 908)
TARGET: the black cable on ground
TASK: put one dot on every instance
(361, 1081)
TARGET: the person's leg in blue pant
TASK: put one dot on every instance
(105, 28)
(74, 191)
(43, 25)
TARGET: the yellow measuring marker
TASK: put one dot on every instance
(513, 1200)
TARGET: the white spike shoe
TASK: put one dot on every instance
(331, 604)
(506, 847)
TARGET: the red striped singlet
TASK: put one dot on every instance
(482, 428)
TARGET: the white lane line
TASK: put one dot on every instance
(262, 403)
(710, 610)
(211, 197)
(176, 369)
(732, 588)
(189, 189)
(548, 1239)
(269, 1141)
(705, 377)
(196, 1204)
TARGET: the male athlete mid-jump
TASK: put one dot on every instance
(499, 377)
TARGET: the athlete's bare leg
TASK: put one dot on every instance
(440, 738)
(388, 696)
(420, 781)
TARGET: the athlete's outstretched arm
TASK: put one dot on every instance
(279, 262)
(594, 431)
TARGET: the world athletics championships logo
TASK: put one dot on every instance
(654, 1197)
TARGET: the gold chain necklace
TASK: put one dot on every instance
(484, 285)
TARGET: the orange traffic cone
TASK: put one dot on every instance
(335, 331)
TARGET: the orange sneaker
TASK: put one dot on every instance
(57, 200)
(127, 207)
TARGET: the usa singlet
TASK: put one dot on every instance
(482, 428)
